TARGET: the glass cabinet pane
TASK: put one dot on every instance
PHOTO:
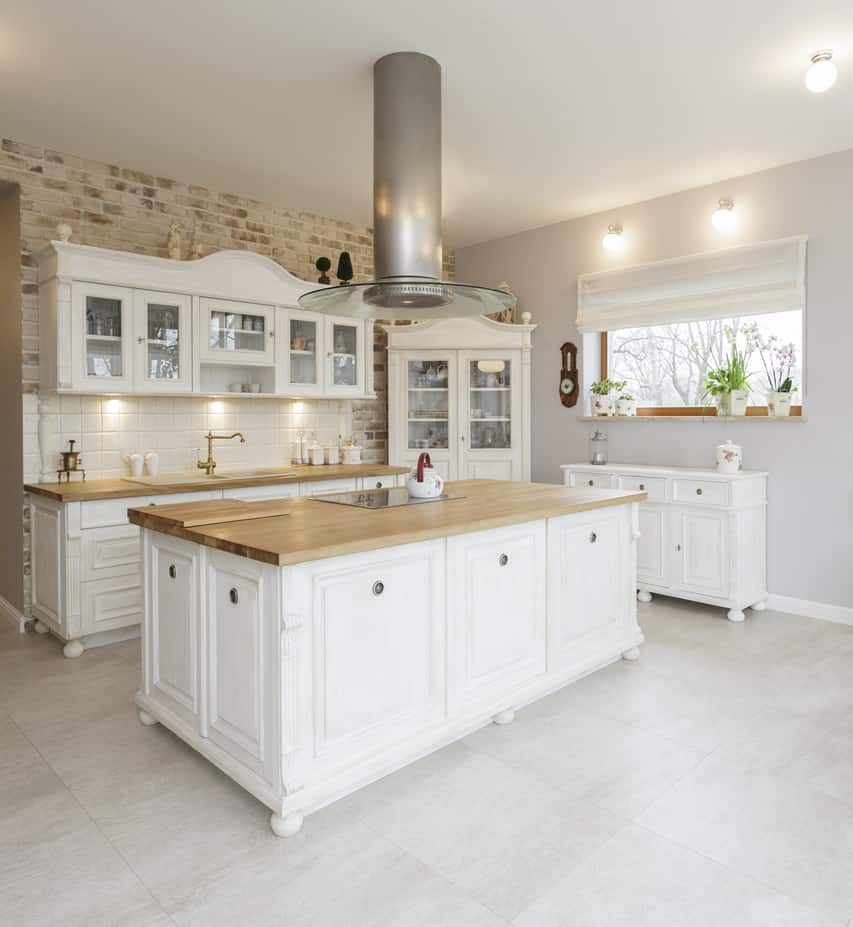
(237, 331)
(303, 351)
(344, 360)
(428, 405)
(103, 337)
(489, 407)
(162, 342)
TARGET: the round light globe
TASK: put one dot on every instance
(724, 218)
(613, 240)
(822, 73)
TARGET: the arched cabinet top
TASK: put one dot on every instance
(240, 275)
(476, 332)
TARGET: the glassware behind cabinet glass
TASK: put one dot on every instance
(598, 448)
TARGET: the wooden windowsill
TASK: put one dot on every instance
(692, 417)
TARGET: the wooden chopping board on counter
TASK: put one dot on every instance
(219, 511)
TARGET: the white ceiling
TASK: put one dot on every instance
(552, 109)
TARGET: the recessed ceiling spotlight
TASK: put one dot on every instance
(613, 240)
(822, 71)
(724, 218)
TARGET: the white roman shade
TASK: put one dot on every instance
(769, 276)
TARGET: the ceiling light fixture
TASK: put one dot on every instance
(613, 240)
(724, 218)
(822, 71)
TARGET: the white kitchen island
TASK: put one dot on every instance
(308, 649)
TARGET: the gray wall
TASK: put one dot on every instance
(810, 515)
(11, 458)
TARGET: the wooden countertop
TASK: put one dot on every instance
(80, 491)
(313, 530)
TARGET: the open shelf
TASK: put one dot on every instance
(103, 337)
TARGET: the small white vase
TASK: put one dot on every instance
(779, 404)
(626, 406)
(602, 405)
(733, 403)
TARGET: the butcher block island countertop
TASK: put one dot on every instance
(86, 490)
(307, 649)
(302, 529)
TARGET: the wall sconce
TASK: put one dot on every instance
(724, 218)
(822, 72)
(613, 240)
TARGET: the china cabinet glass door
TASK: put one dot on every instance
(162, 339)
(235, 332)
(428, 405)
(304, 371)
(345, 357)
(102, 318)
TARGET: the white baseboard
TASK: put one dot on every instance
(8, 611)
(840, 614)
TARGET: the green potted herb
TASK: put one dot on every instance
(603, 396)
(626, 404)
(729, 384)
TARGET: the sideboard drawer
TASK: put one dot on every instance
(593, 478)
(110, 551)
(107, 604)
(100, 513)
(655, 486)
(700, 492)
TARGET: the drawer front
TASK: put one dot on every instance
(279, 491)
(321, 486)
(655, 486)
(101, 513)
(109, 552)
(106, 604)
(592, 478)
(378, 482)
(700, 492)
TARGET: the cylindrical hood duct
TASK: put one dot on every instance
(407, 166)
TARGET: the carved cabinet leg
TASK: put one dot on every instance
(286, 825)
(73, 649)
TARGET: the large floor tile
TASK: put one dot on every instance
(796, 840)
(640, 880)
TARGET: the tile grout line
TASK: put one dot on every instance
(95, 824)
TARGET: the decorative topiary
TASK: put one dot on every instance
(345, 272)
(323, 264)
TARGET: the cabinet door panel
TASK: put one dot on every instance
(102, 337)
(304, 353)
(108, 604)
(109, 552)
(345, 357)
(701, 551)
(653, 546)
(233, 332)
(173, 622)
(496, 591)
(162, 358)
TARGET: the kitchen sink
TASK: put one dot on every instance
(177, 479)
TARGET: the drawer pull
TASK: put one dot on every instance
(642, 486)
(503, 560)
(233, 595)
(699, 491)
(678, 547)
(378, 587)
(379, 484)
(593, 537)
(591, 483)
(173, 571)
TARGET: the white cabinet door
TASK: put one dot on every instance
(591, 584)
(424, 408)
(303, 353)
(345, 357)
(653, 548)
(232, 332)
(377, 648)
(172, 625)
(700, 551)
(102, 338)
(242, 685)
(163, 337)
(489, 400)
(496, 598)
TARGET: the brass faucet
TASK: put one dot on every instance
(209, 465)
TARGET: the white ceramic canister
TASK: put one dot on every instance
(333, 454)
(152, 463)
(317, 454)
(135, 462)
(352, 454)
(729, 457)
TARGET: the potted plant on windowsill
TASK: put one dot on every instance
(626, 404)
(603, 396)
(778, 361)
(729, 384)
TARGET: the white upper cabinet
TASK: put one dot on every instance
(117, 322)
(460, 390)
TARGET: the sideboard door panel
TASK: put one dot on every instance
(653, 547)
(701, 551)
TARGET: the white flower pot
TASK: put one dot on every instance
(779, 404)
(626, 406)
(602, 405)
(733, 403)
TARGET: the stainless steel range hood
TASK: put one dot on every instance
(407, 208)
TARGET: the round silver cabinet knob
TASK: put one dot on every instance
(233, 595)
(642, 486)
(173, 572)
(503, 560)
(593, 537)
(591, 483)
(699, 491)
(378, 588)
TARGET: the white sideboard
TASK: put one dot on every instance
(460, 390)
(703, 533)
(86, 571)
(124, 323)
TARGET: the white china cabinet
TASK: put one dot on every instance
(460, 390)
(117, 322)
(702, 533)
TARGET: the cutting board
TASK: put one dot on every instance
(219, 511)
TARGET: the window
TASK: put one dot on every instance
(665, 366)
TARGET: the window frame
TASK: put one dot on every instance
(669, 411)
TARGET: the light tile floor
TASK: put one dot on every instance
(711, 783)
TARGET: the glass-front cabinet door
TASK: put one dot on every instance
(162, 355)
(101, 330)
(430, 416)
(489, 410)
(345, 357)
(304, 371)
(234, 332)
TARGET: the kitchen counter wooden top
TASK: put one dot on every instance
(303, 529)
(80, 491)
